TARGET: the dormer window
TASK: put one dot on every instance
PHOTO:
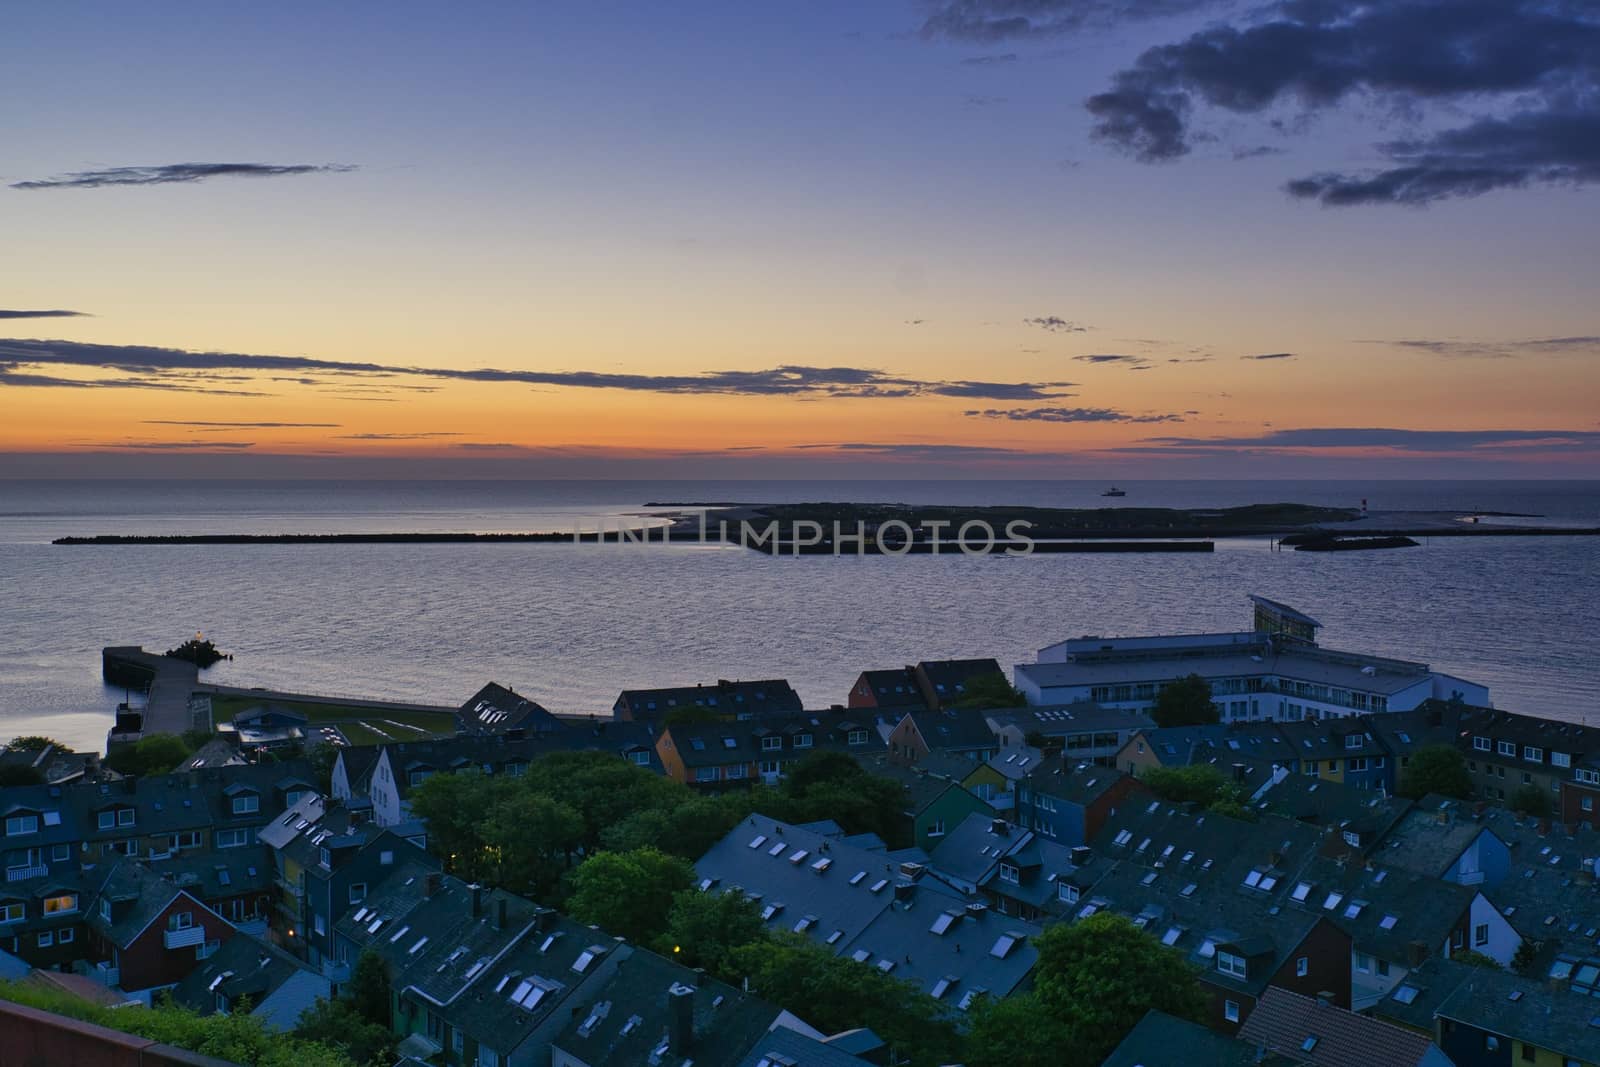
(802, 741)
(1069, 893)
(21, 824)
(64, 904)
(124, 817)
(773, 743)
(857, 737)
(1231, 964)
(246, 804)
(1011, 874)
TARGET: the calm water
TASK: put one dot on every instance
(574, 625)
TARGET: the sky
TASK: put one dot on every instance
(920, 238)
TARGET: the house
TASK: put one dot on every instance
(718, 755)
(1084, 731)
(497, 711)
(1362, 818)
(1313, 1031)
(1250, 754)
(1494, 1018)
(1580, 794)
(267, 726)
(42, 917)
(1507, 752)
(995, 780)
(147, 931)
(352, 771)
(1154, 1038)
(864, 904)
(956, 733)
(1275, 671)
(733, 700)
(1444, 838)
(890, 690)
(1548, 893)
(935, 800)
(926, 686)
(651, 1010)
(1014, 870)
(1217, 890)
(782, 1046)
(1068, 802)
(252, 975)
(327, 857)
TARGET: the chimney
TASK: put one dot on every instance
(1238, 772)
(431, 882)
(1081, 855)
(1416, 952)
(680, 1017)
(903, 891)
(477, 899)
(500, 914)
(998, 827)
(1324, 999)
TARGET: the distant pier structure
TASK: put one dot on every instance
(168, 682)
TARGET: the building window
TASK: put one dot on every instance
(857, 737)
(802, 741)
(1491, 1043)
(1010, 874)
(1560, 759)
(180, 920)
(705, 774)
(46, 938)
(246, 805)
(358, 892)
(22, 824)
(1481, 744)
(1302, 967)
(67, 902)
(1068, 893)
(1230, 1010)
(60, 853)
(488, 1057)
(65, 937)
(1228, 963)
(456, 1041)
(1506, 748)
(319, 924)
(1480, 934)
(107, 820)
(1586, 803)
(1532, 754)
(771, 744)
(936, 829)
(232, 838)
(12, 913)
(125, 817)
(206, 949)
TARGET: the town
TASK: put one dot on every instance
(1228, 848)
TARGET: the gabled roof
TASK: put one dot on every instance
(783, 1047)
(734, 697)
(896, 688)
(1060, 720)
(242, 967)
(1432, 836)
(1075, 782)
(494, 709)
(1502, 1003)
(630, 1018)
(954, 730)
(138, 896)
(1308, 1031)
(1384, 910)
(946, 679)
(1015, 763)
(1152, 1042)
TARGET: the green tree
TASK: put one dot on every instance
(1200, 783)
(369, 988)
(456, 807)
(703, 930)
(32, 743)
(835, 993)
(151, 754)
(529, 839)
(990, 691)
(338, 1025)
(1531, 800)
(831, 785)
(1438, 769)
(629, 893)
(19, 774)
(1019, 1032)
(1100, 975)
(1477, 959)
(603, 789)
(1185, 702)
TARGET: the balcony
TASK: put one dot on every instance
(20, 874)
(188, 937)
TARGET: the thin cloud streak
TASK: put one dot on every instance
(176, 173)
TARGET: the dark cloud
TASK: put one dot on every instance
(1055, 324)
(915, 451)
(1396, 440)
(427, 436)
(177, 172)
(181, 446)
(1069, 415)
(240, 425)
(1457, 349)
(1529, 67)
(1131, 362)
(42, 314)
(1271, 355)
(988, 21)
(788, 380)
(11, 376)
(989, 61)
(1256, 152)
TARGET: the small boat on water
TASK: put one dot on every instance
(1114, 491)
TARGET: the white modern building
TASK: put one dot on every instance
(1276, 671)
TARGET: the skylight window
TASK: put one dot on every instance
(1387, 922)
(1353, 909)
(856, 878)
(805, 924)
(1005, 943)
(770, 910)
(886, 965)
(798, 855)
(1123, 837)
(777, 849)
(834, 937)
(942, 986)
(861, 955)
(943, 922)
(822, 864)
(1149, 878)
(1170, 938)
(586, 957)
(877, 887)
(421, 941)
(971, 995)
(1208, 948)
(1252, 880)
(1332, 901)
(1406, 994)
(398, 934)
(1301, 891)
(1188, 890)
(758, 841)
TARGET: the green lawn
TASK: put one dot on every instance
(362, 724)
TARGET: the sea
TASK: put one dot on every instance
(572, 625)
